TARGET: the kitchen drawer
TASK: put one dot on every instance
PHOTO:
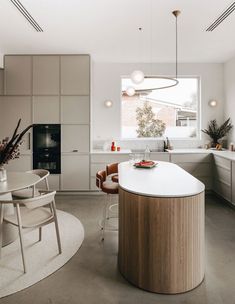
(222, 174)
(197, 169)
(222, 162)
(109, 158)
(223, 190)
(160, 156)
(191, 158)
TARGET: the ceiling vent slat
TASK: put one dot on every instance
(221, 18)
(27, 15)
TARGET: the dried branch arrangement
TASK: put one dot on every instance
(10, 148)
(217, 132)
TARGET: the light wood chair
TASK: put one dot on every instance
(31, 213)
(33, 191)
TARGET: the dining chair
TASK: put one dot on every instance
(33, 191)
(109, 187)
(31, 213)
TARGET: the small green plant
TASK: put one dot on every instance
(217, 132)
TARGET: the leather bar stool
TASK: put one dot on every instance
(112, 174)
(108, 187)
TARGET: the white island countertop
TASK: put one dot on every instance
(164, 180)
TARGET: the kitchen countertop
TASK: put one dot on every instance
(124, 151)
(225, 153)
(164, 180)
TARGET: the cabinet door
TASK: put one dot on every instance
(75, 109)
(75, 137)
(18, 75)
(46, 109)
(21, 164)
(46, 75)
(1, 81)
(233, 183)
(75, 172)
(12, 109)
(75, 75)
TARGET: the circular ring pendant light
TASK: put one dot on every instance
(140, 83)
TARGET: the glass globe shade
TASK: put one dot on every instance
(130, 91)
(137, 77)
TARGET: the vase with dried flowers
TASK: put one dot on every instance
(10, 149)
(217, 132)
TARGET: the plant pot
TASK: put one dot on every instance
(3, 174)
(214, 144)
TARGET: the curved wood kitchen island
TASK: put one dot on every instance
(161, 228)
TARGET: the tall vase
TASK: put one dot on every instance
(3, 174)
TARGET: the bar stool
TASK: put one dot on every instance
(112, 174)
(108, 187)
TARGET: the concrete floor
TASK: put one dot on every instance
(91, 276)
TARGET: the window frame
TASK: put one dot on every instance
(199, 114)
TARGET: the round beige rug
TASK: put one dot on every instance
(42, 258)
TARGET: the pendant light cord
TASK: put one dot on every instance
(176, 14)
(176, 47)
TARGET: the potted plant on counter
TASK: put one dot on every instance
(10, 149)
(217, 132)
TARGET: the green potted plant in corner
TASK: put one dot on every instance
(217, 132)
(10, 149)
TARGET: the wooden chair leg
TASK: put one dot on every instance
(1, 227)
(20, 235)
(56, 227)
(40, 234)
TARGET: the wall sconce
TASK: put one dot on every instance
(213, 103)
(108, 103)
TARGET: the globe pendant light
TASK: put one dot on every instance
(137, 77)
(130, 91)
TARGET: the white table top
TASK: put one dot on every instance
(164, 180)
(18, 180)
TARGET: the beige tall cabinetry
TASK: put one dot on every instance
(53, 89)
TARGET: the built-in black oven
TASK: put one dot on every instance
(47, 147)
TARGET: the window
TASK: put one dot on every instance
(171, 112)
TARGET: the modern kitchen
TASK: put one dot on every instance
(117, 152)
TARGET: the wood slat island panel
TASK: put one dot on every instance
(161, 241)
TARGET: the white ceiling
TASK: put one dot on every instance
(108, 29)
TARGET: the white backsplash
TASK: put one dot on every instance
(153, 144)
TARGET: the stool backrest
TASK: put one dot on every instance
(112, 168)
(100, 178)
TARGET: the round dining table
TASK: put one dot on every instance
(15, 181)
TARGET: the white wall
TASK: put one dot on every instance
(106, 84)
(229, 85)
